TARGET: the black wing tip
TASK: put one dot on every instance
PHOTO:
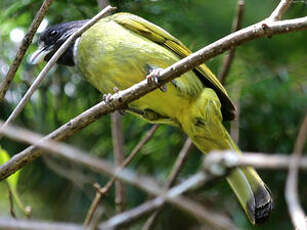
(229, 115)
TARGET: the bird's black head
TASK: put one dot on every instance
(51, 40)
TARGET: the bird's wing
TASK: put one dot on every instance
(162, 37)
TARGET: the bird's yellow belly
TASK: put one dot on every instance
(120, 58)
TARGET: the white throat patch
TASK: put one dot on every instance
(75, 51)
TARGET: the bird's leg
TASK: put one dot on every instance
(153, 77)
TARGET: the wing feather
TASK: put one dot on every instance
(162, 37)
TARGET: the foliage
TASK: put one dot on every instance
(271, 73)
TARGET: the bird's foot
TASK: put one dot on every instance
(121, 111)
(153, 78)
(107, 98)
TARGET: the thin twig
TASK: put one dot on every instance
(280, 10)
(183, 154)
(217, 221)
(26, 41)
(133, 214)
(230, 159)
(145, 183)
(13, 224)
(236, 25)
(96, 219)
(102, 4)
(118, 151)
(170, 180)
(103, 191)
(76, 176)
(11, 200)
(52, 62)
(296, 211)
(94, 204)
(124, 97)
(140, 145)
(235, 124)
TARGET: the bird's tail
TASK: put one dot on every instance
(252, 193)
(202, 122)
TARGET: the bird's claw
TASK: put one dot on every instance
(153, 78)
(107, 98)
(163, 88)
(116, 90)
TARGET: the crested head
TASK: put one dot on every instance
(51, 40)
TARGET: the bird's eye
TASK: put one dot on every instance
(53, 33)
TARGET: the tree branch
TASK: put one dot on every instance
(220, 160)
(280, 10)
(103, 3)
(118, 152)
(143, 182)
(52, 62)
(217, 221)
(171, 179)
(295, 210)
(236, 25)
(235, 124)
(107, 187)
(26, 41)
(11, 201)
(13, 224)
(94, 205)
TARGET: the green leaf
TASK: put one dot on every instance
(13, 179)
(12, 182)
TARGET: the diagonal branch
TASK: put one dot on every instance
(121, 98)
(26, 41)
(143, 182)
(229, 159)
(280, 10)
(217, 221)
(171, 179)
(13, 224)
(291, 192)
(118, 152)
(94, 205)
(235, 124)
(103, 191)
(52, 62)
(236, 25)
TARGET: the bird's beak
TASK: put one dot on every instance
(39, 55)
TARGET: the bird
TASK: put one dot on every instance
(123, 49)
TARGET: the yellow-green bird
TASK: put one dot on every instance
(121, 50)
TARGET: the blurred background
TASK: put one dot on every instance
(268, 78)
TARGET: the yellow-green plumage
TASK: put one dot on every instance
(118, 51)
(122, 61)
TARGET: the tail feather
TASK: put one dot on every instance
(260, 204)
(243, 191)
(202, 122)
